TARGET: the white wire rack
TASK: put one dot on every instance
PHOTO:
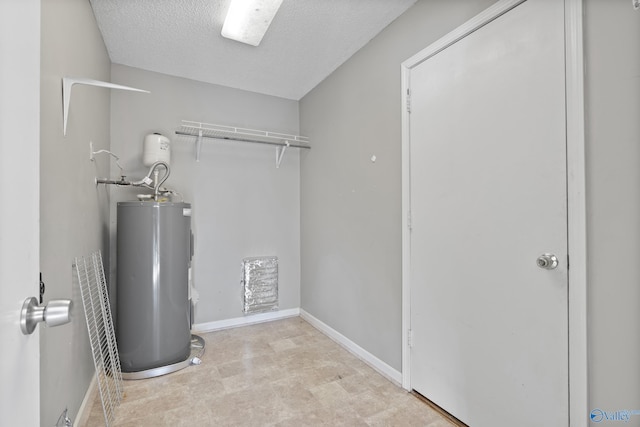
(208, 130)
(102, 337)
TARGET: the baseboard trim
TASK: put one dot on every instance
(381, 367)
(82, 417)
(245, 320)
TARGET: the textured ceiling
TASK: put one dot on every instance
(307, 40)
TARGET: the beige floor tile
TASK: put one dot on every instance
(283, 344)
(282, 373)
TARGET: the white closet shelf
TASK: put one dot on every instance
(69, 82)
(208, 130)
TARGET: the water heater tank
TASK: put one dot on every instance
(153, 312)
(156, 148)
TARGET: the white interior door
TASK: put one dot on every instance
(19, 207)
(488, 197)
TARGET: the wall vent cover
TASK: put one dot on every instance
(259, 284)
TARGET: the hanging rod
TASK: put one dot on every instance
(206, 130)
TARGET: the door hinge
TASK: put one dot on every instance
(410, 338)
(568, 263)
(41, 289)
(408, 101)
(409, 223)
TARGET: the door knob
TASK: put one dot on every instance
(57, 312)
(547, 261)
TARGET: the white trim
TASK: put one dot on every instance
(577, 219)
(576, 204)
(406, 233)
(381, 367)
(82, 417)
(245, 320)
(480, 20)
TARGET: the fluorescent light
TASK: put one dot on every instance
(248, 20)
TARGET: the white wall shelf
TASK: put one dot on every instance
(206, 130)
(69, 82)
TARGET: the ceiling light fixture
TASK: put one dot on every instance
(248, 20)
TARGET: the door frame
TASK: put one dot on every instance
(576, 199)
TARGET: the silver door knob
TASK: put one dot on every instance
(547, 261)
(57, 312)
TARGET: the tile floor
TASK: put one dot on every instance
(281, 373)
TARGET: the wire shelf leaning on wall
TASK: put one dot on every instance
(207, 130)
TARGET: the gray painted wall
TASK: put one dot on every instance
(612, 83)
(351, 207)
(73, 212)
(242, 205)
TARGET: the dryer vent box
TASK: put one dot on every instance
(259, 284)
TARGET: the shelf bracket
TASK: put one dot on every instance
(280, 154)
(198, 145)
(67, 85)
